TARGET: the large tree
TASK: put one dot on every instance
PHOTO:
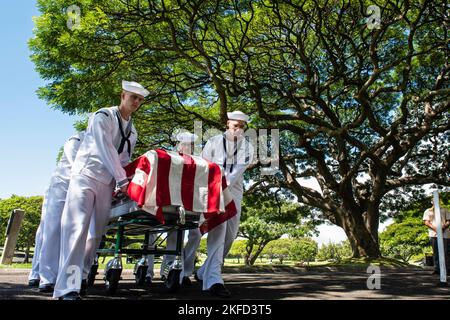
(363, 108)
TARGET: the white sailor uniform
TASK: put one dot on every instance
(97, 169)
(234, 157)
(56, 197)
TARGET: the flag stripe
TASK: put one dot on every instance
(176, 172)
(214, 178)
(150, 193)
(187, 182)
(201, 192)
(162, 179)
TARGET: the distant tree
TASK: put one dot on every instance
(279, 249)
(304, 250)
(238, 250)
(402, 240)
(334, 251)
(33, 208)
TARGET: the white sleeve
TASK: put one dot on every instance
(239, 168)
(101, 129)
(207, 151)
(71, 148)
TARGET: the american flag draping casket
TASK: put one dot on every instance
(161, 178)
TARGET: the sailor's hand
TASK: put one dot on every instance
(124, 189)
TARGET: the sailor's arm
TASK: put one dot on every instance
(102, 132)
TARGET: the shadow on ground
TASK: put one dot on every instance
(273, 284)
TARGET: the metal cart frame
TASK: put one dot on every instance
(128, 220)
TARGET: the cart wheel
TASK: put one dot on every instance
(91, 276)
(140, 274)
(172, 283)
(112, 280)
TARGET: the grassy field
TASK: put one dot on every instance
(260, 264)
(234, 263)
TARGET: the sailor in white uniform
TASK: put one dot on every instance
(98, 168)
(185, 145)
(54, 205)
(234, 152)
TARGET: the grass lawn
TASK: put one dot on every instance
(260, 264)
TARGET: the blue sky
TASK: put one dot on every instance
(31, 131)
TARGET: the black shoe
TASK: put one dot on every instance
(219, 290)
(186, 282)
(48, 287)
(148, 280)
(83, 289)
(197, 278)
(70, 296)
(33, 283)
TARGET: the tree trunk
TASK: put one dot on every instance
(258, 252)
(248, 254)
(364, 242)
(27, 252)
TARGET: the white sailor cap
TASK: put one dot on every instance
(237, 115)
(186, 137)
(134, 87)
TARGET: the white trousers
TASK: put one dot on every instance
(151, 257)
(211, 270)
(93, 241)
(49, 257)
(84, 197)
(233, 223)
(34, 273)
(189, 251)
(219, 242)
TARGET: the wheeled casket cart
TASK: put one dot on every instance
(128, 221)
(177, 191)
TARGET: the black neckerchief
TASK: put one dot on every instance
(124, 134)
(236, 148)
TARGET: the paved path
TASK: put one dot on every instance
(283, 284)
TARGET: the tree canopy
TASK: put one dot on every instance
(362, 110)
